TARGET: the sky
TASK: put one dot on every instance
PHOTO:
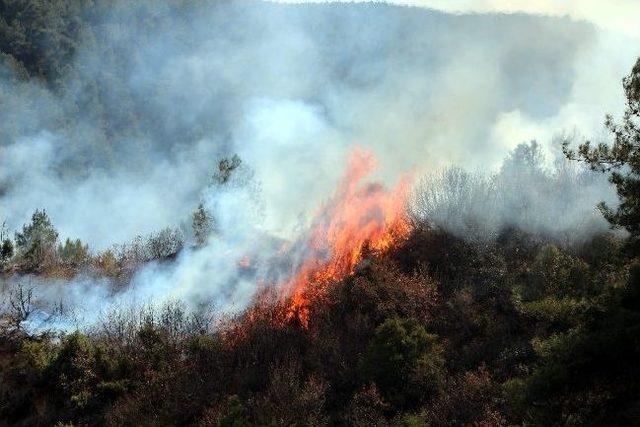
(613, 15)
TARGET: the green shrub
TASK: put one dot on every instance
(74, 253)
(404, 361)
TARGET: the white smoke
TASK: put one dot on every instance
(129, 142)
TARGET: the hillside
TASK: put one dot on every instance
(247, 213)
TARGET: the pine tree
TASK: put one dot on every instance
(36, 244)
(202, 224)
(6, 250)
(622, 160)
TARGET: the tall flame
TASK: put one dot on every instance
(359, 218)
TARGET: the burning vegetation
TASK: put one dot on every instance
(384, 318)
(461, 301)
(361, 219)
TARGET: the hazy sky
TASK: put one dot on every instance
(614, 15)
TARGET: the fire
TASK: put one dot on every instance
(245, 262)
(360, 218)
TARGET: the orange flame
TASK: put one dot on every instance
(359, 218)
(245, 262)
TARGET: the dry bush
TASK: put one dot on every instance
(467, 399)
(290, 399)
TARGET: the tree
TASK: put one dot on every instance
(226, 166)
(234, 414)
(525, 159)
(164, 244)
(36, 244)
(367, 408)
(6, 246)
(6, 250)
(621, 159)
(231, 413)
(202, 224)
(587, 375)
(404, 361)
(289, 398)
(74, 252)
(21, 303)
(520, 182)
(41, 37)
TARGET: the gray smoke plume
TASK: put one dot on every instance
(157, 94)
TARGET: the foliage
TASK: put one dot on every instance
(226, 166)
(74, 252)
(400, 342)
(6, 250)
(621, 159)
(164, 244)
(202, 224)
(36, 243)
(586, 374)
(41, 37)
(459, 325)
(234, 414)
(404, 361)
(554, 272)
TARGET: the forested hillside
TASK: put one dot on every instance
(484, 300)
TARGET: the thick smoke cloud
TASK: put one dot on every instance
(554, 199)
(614, 15)
(150, 106)
(156, 95)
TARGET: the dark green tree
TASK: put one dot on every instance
(6, 250)
(587, 375)
(621, 159)
(6, 246)
(41, 37)
(36, 243)
(73, 252)
(404, 361)
(234, 413)
(226, 166)
(202, 224)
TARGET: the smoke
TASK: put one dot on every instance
(614, 15)
(556, 201)
(156, 94)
